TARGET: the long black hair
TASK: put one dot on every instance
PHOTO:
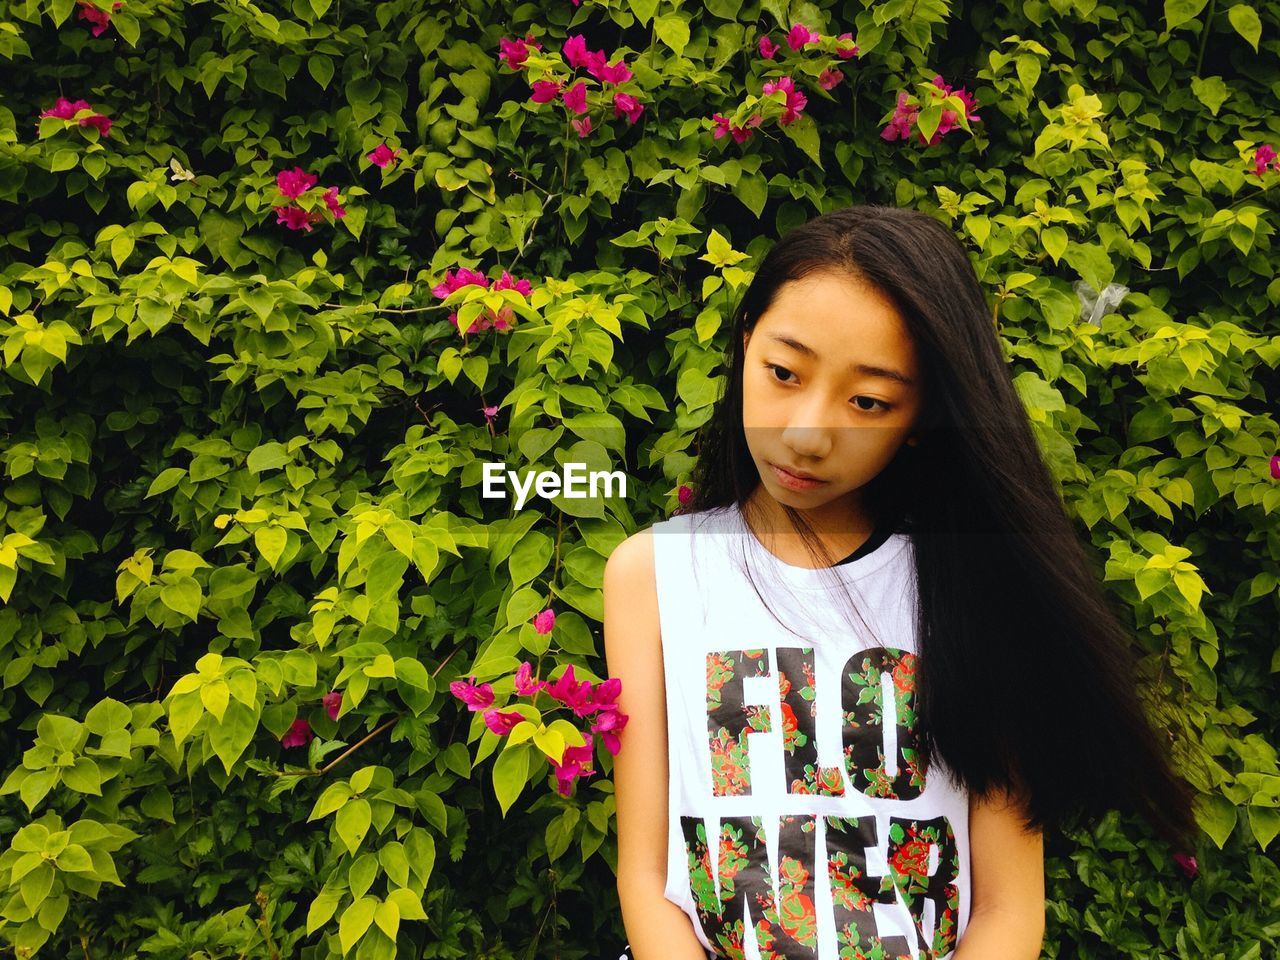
(1026, 678)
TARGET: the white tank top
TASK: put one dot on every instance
(801, 824)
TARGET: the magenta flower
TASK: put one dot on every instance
(573, 763)
(381, 155)
(904, 116)
(609, 724)
(1187, 864)
(489, 413)
(331, 201)
(464, 277)
(684, 494)
(829, 78)
(1265, 158)
(475, 696)
(739, 133)
(581, 124)
(767, 47)
(526, 685)
(614, 73)
(1275, 467)
(501, 722)
(295, 218)
(332, 703)
(544, 91)
(545, 621)
(574, 694)
(625, 103)
(795, 99)
(295, 182)
(605, 695)
(65, 109)
(508, 282)
(575, 98)
(101, 19)
(298, 735)
(514, 52)
(799, 35)
(843, 52)
(575, 51)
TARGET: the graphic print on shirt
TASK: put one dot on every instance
(730, 719)
(783, 917)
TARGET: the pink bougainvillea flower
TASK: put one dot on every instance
(489, 413)
(609, 724)
(1186, 863)
(572, 693)
(463, 277)
(475, 696)
(799, 35)
(332, 703)
(684, 494)
(768, 49)
(575, 98)
(544, 91)
(575, 51)
(614, 73)
(829, 78)
(1275, 467)
(545, 621)
(295, 218)
(501, 722)
(574, 762)
(514, 52)
(526, 685)
(795, 102)
(739, 133)
(295, 182)
(331, 201)
(381, 155)
(467, 277)
(100, 19)
(625, 103)
(899, 125)
(298, 735)
(846, 52)
(1265, 157)
(65, 109)
(508, 282)
(605, 695)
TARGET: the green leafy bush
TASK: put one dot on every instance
(250, 587)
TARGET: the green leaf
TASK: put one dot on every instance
(271, 542)
(322, 910)
(333, 798)
(63, 160)
(1177, 12)
(643, 10)
(353, 822)
(320, 67)
(1217, 815)
(1245, 19)
(185, 711)
(74, 859)
(84, 777)
(510, 773)
(230, 737)
(673, 30)
(412, 672)
(530, 557)
(269, 456)
(182, 596)
(355, 921)
(387, 917)
(804, 133)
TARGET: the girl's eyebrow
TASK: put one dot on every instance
(866, 369)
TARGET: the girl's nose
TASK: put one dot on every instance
(808, 441)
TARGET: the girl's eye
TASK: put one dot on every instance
(885, 407)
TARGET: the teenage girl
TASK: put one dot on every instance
(790, 787)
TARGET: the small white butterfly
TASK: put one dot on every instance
(179, 172)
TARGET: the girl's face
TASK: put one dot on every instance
(830, 387)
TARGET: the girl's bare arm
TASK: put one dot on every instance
(657, 929)
(1007, 918)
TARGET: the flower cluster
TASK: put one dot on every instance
(381, 155)
(465, 277)
(1265, 158)
(299, 733)
(515, 53)
(101, 19)
(293, 184)
(65, 109)
(797, 39)
(905, 114)
(582, 697)
(1275, 467)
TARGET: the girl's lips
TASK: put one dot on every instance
(792, 481)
